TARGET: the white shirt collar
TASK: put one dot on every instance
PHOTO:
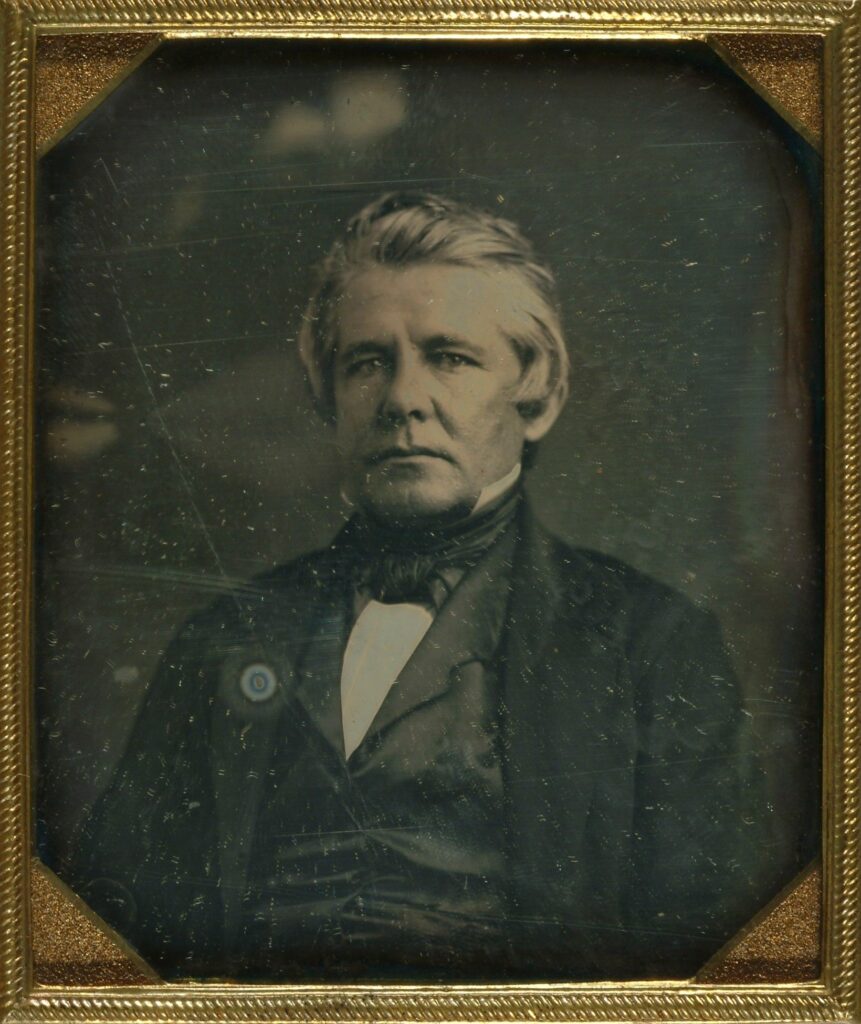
(494, 490)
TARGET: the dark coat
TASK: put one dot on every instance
(639, 837)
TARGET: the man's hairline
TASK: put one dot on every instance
(330, 353)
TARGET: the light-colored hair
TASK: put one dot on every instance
(403, 229)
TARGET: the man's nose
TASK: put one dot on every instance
(407, 395)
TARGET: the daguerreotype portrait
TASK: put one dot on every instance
(482, 718)
(436, 519)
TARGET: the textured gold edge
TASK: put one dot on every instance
(387, 15)
(17, 44)
(745, 14)
(131, 66)
(667, 1001)
(434, 1004)
(843, 641)
(726, 951)
(37, 868)
(736, 66)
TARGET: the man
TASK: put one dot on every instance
(448, 746)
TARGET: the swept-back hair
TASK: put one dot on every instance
(402, 229)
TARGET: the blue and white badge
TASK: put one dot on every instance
(258, 682)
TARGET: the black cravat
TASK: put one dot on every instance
(404, 563)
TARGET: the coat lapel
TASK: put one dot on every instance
(318, 687)
(537, 596)
(273, 622)
(241, 751)
(467, 628)
(565, 731)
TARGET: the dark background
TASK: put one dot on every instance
(178, 230)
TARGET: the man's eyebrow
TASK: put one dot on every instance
(438, 341)
(360, 348)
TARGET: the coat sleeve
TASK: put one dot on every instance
(708, 848)
(144, 861)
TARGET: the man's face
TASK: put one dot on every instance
(424, 375)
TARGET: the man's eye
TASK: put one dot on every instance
(365, 367)
(452, 360)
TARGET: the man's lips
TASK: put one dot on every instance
(395, 453)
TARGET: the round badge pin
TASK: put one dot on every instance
(258, 682)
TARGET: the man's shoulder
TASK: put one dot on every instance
(306, 570)
(669, 644)
(609, 578)
(582, 573)
(238, 605)
(620, 598)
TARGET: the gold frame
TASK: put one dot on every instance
(836, 996)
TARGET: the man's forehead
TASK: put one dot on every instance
(450, 296)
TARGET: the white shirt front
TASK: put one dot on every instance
(383, 640)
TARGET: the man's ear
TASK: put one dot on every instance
(538, 424)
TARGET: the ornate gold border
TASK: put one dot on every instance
(836, 996)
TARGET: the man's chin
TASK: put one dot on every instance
(409, 505)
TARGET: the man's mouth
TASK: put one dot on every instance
(398, 453)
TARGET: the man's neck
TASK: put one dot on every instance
(444, 538)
